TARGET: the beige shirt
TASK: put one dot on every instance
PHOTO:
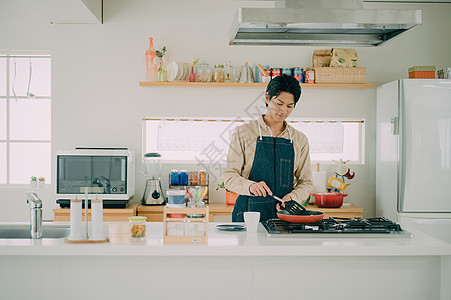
(241, 157)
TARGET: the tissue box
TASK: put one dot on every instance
(422, 72)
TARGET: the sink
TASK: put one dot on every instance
(22, 231)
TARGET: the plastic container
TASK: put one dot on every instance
(120, 233)
(138, 227)
(176, 206)
(176, 196)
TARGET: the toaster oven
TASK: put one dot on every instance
(107, 172)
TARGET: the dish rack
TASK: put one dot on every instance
(185, 230)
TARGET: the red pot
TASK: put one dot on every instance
(329, 199)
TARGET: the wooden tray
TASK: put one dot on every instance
(106, 240)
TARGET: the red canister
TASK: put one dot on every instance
(309, 76)
(268, 72)
(275, 72)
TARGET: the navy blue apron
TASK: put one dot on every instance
(274, 164)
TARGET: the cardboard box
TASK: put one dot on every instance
(321, 58)
(344, 58)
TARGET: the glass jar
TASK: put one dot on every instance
(203, 177)
(138, 227)
(195, 204)
(193, 178)
(218, 74)
(203, 72)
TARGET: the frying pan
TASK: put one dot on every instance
(309, 216)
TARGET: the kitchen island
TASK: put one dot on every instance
(234, 265)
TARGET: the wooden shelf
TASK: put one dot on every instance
(258, 85)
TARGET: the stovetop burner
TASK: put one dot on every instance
(334, 226)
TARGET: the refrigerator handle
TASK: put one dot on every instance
(394, 126)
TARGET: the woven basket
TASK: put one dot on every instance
(339, 75)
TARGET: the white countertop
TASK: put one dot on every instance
(222, 243)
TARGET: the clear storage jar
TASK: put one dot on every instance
(138, 227)
(203, 72)
(218, 73)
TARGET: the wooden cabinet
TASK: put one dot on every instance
(109, 214)
(155, 213)
(348, 210)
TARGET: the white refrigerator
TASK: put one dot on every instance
(413, 154)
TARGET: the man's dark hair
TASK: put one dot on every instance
(284, 83)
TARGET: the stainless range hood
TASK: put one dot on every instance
(305, 23)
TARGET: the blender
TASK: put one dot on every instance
(153, 193)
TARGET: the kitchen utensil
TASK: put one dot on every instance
(319, 180)
(246, 74)
(308, 216)
(291, 206)
(30, 95)
(230, 227)
(153, 193)
(329, 199)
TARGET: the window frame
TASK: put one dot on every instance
(10, 97)
(361, 135)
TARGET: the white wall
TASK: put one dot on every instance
(96, 70)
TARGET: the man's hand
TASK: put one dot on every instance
(260, 189)
(281, 206)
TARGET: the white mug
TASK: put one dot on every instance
(251, 218)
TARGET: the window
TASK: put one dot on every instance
(25, 118)
(204, 141)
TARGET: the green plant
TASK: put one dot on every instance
(160, 53)
(222, 186)
(33, 178)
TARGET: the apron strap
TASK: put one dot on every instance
(260, 130)
(289, 132)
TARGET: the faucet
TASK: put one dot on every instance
(35, 215)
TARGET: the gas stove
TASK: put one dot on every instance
(336, 227)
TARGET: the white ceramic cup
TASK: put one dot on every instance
(251, 218)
